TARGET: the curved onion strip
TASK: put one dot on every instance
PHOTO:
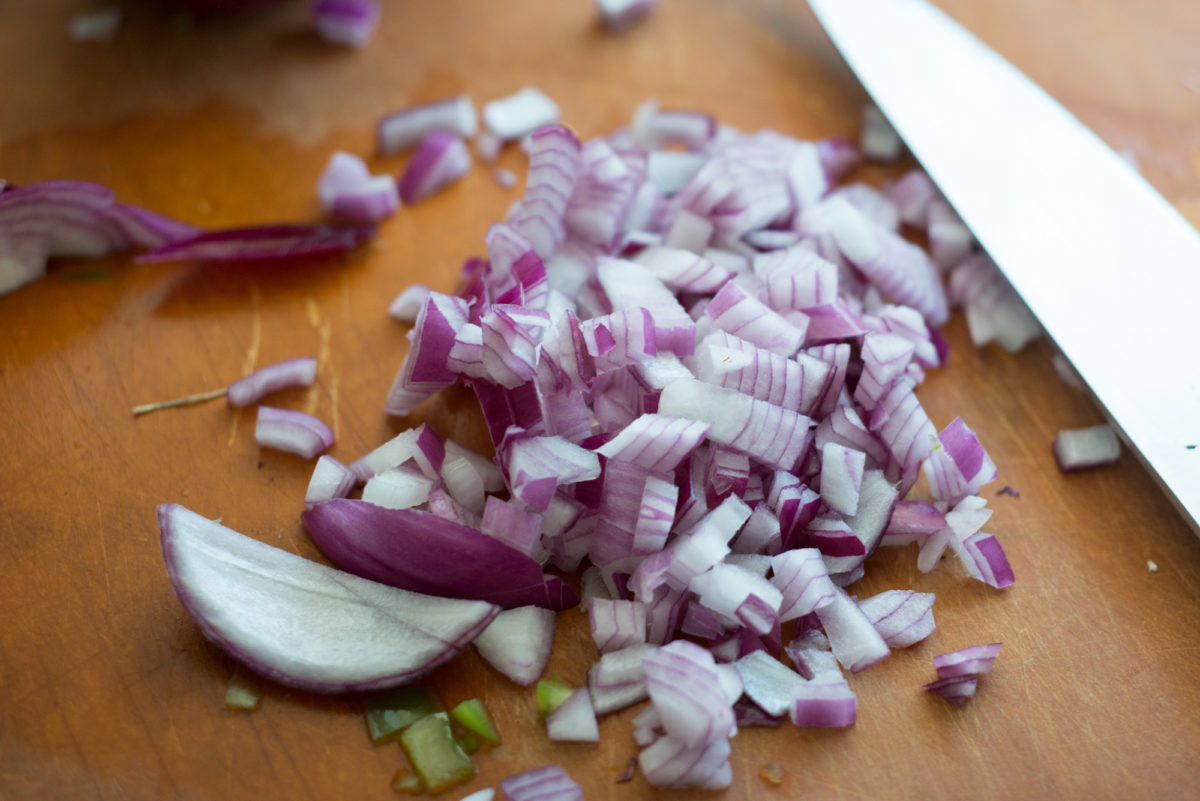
(246, 391)
(291, 431)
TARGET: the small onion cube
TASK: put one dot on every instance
(407, 305)
(291, 431)
(550, 783)
(824, 705)
(518, 643)
(855, 642)
(350, 23)
(972, 661)
(408, 127)
(330, 479)
(767, 682)
(879, 140)
(512, 117)
(956, 689)
(1085, 448)
(441, 159)
(574, 720)
(300, 372)
(398, 488)
(347, 189)
(616, 624)
(902, 617)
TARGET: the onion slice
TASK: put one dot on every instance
(1085, 448)
(304, 624)
(550, 783)
(407, 127)
(291, 431)
(262, 242)
(299, 372)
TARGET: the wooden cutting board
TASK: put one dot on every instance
(108, 691)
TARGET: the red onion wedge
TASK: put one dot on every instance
(418, 551)
(408, 127)
(518, 643)
(72, 218)
(441, 160)
(550, 783)
(350, 23)
(574, 721)
(347, 189)
(246, 391)
(1085, 448)
(304, 624)
(262, 242)
(291, 431)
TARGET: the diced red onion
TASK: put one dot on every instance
(347, 189)
(960, 467)
(855, 642)
(912, 193)
(841, 477)
(398, 488)
(616, 624)
(957, 690)
(912, 521)
(291, 431)
(1085, 448)
(523, 112)
(330, 479)
(879, 141)
(902, 617)
(537, 465)
(972, 661)
(950, 240)
(518, 643)
(441, 159)
(512, 524)
(553, 167)
(350, 23)
(550, 783)
(994, 311)
(690, 231)
(408, 127)
(246, 391)
(421, 444)
(617, 15)
(424, 370)
(803, 579)
(574, 721)
(824, 704)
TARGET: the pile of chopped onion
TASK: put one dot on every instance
(700, 382)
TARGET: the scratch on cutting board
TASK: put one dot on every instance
(104, 556)
(251, 354)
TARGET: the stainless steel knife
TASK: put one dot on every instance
(1109, 267)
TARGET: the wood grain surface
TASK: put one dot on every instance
(107, 689)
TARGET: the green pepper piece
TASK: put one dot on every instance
(392, 712)
(473, 717)
(550, 694)
(468, 741)
(434, 753)
(241, 693)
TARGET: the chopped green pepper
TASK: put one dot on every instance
(550, 694)
(468, 741)
(392, 712)
(241, 693)
(473, 717)
(435, 754)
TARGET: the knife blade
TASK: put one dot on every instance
(1109, 267)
